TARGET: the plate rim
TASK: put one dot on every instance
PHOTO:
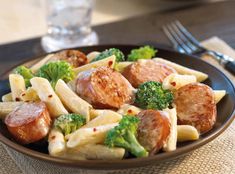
(127, 163)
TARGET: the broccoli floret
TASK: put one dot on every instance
(26, 73)
(107, 53)
(54, 71)
(145, 52)
(124, 135)
(151, 95)
(69, 123)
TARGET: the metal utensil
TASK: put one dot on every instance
(184, 42)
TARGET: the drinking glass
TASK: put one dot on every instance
(69, 24)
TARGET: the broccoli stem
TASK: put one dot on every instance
(134, 147)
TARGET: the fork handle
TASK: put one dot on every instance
(226, 61)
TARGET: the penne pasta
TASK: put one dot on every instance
(43, 61)
(92, 55)
(171, 143)
(92, 135)
(7, 107)
(29, 95)
(95, 152)
(120, 66)
(183, 70)
(219, 94)
(105, 117)
(128, 109)
(109, 62)
(17, 86)
(47, 95)
(7, 97)
(175, 81)
(72, 100)
(56, 143)
(186, 133)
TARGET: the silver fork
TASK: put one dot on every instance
(184, 42)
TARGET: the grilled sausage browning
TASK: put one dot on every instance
(196, 106)
(29, 123)
(104, 88)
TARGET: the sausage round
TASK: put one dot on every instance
(29, 122)
(146, 70)
(195, 105)
(153, 129)
(74, 57)
(104, 88)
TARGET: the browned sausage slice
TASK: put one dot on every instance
(195, 105)
(153, 129)
(146, 70)
(74, 57)
(29, 123)
(104, 88)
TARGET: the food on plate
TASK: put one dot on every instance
(146, 70)
(124, 135)
(107, 62)
(153, 129)
(183, 70)
(72, 101)
(107, 53)
(195, 104)
(29, 95)
(101, 107)
(145, 52)
(17, 86)
(29, 122)
(26, 73)
(151, 95)
(69, 123)
(75, 58)
(7, 107)
(104, 88)
(53, 71)
(48, 95)
(186, 133)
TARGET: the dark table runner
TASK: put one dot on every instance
(203, 21)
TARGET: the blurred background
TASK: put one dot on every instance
(24, 19)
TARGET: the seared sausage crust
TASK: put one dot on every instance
(196, 106)
(29, 123)
(146, 70)
(74, 57)
(153, 129)
(104, 88)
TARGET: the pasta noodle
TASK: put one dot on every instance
(128, 109)
(7, 107)
(38, 65)
(92, 55)
(56, 143)
(183, 70)
(72, 100)
(17, 85)
(7, 97)
(47, 94)
(219, 94)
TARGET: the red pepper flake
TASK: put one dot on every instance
(50, 96)
(173, 83)
(17, 99)
(27, 101)
(129, 111)
(94, 129)
(23, 94)
(110, 63)
(53, 137)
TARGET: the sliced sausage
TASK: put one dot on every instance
(146, 70)
(195, 105)
(104, 88)
(153, 129)
(29, 122)
(74, 57)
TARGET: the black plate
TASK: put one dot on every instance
(217, 80)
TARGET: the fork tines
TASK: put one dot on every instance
(181, 38)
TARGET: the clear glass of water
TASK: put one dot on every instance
(69, 24)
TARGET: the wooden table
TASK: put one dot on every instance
(203, 21)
